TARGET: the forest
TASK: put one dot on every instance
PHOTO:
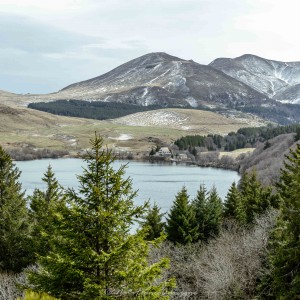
(67, 244)
(247, 137)
(98, 110)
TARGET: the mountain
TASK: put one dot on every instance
(248, 84)
(275, 79)
(162, 79)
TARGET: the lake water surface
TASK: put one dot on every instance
(157, 182)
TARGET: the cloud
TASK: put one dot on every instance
(38, 58)
(49, 44)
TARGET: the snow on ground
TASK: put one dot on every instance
(122, 137)
(154, 118)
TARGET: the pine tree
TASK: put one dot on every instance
(284, 281)
(94, 255)
(181, 225)
(209, 211)
(256, 199)
(233, 207)
(154, 223)
(15, 241)
(214, 214)
(44, 207)
(199, 206)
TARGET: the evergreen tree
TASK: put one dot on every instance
(209, 210)
(94, 255)
(233, 207)
(199, 206)
(181, 223)
(214, 214)
(153, 222)
(284, 281)
(15, 241)
(44, 207)
(256, 199)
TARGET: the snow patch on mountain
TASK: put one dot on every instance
(267, 76)
(154, 118)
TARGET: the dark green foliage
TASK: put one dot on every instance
(297, 136)
(93, 254)
(152, 152)
(233, 207)
(267, 145)
(92, 110)
(244, 137)
(209, 212)
(154, 223)
(284, 280)
(181, 225)
(281, 113)
(214, 214)
(44, 209)
(15, 240)
(199, 206)
(256, 199)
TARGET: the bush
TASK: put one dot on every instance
(9, 285)
(225, 268)
(30, 295)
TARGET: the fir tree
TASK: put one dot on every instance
(284, 281)
(153, 222)
(233, 207)
(256, 199)
(214, 214)
(199, 206)
(15, 241)
(209, 210)
(181, 223)
(94, 255)
(44, 207)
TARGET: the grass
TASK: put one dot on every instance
(236, 153)
(22, 126)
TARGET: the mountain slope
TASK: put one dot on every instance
(189, 120)
(161, 79)
(270, 77)
(248, 84)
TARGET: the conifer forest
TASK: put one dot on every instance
(64, 244)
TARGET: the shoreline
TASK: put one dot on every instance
(144, 158)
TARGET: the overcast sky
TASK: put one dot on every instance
(46, 45)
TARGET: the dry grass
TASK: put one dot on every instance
(226, 268)
(236, 153)
(20, 126)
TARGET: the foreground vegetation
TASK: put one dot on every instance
(79, 244)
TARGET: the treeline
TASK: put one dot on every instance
(243, 138)
(281, 113)
(98, 110)
(80, 246)
(30, 153)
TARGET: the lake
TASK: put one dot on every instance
(157, 182)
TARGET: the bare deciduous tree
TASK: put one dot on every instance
(226, 268)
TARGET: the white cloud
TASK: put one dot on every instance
(29, 6)
(89, 37)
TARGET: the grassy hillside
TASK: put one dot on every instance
(22, 126)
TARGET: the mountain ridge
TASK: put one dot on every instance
(271, 77)
(247, 83)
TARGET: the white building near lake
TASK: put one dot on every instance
(164, 151)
